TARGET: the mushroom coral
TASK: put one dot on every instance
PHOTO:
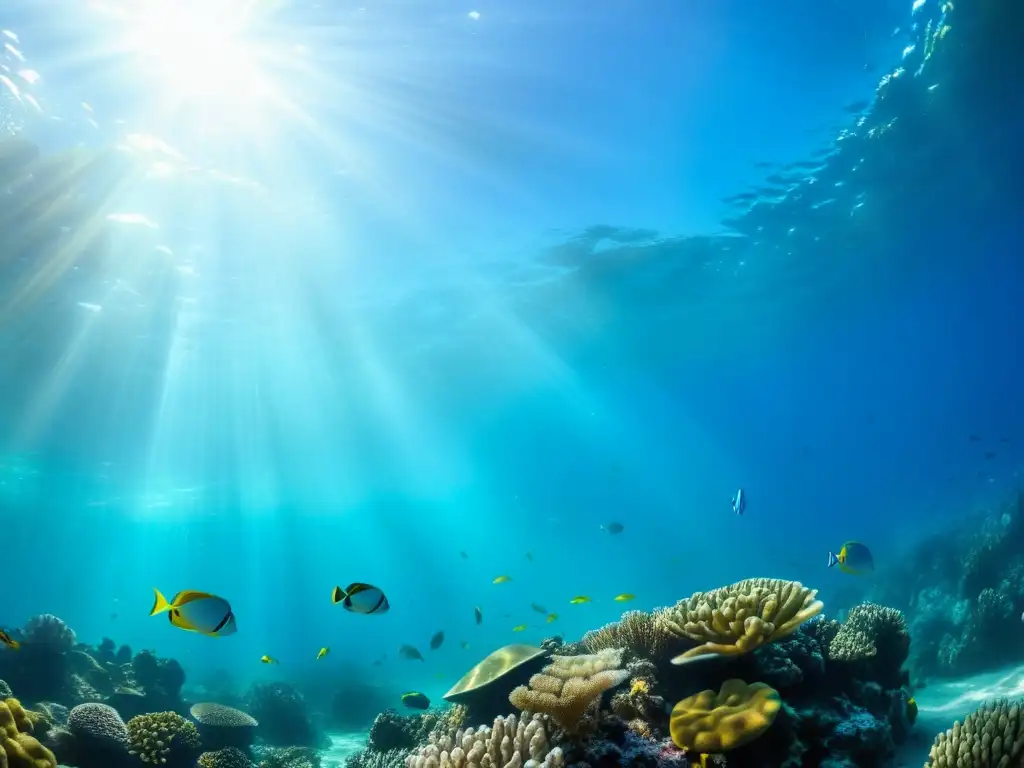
(739, 618)
(710, 722)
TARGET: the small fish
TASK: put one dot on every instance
(519, 628)
(911, 710)
(437, 641)
(463, 555)
(613, 528)
(552, 617)
(323, 652)
(538, 608)
(268, 660)
(853, 558)
(377, 662)
(410, 653)
(580, 600)
(197, 612)
(478, 615)
(501, 579)
(529, 556)
(361, 598)
(464, 644)
(625, 597)
(415, 700)
(113, 616)
(739, 502)
(9, 641)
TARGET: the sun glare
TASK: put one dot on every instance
(197, 52)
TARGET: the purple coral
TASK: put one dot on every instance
(49, 632)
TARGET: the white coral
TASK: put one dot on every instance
(510, 743)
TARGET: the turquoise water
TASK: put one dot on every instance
(423, 294)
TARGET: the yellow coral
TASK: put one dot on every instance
(992, 735)
(570, 685)
(639, 686)
(736, 619)
(864, 628)
(18, 748)
(718, 722)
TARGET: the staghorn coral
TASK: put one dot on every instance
(867, 626)
(710, 722)
(570, 685)
(228, 757)
(736, 619)
(990, 736)
(511, 743)
(636, 631)
(19, 748)
(161, 737)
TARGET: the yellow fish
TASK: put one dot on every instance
(625, 597)
(268, 660)
(197, 612)
(519, 628)
(464, 645)
(323, 652)
(552, 617)
(9, 641)
(911, 709)
(580, 600)
(501, 580)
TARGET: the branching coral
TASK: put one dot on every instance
(570, 685)
(710, 722)
(155, 736)
(736, 619)
(18, 747)
(990, 736)
(509, 744)
(637, 632)
(868, 626)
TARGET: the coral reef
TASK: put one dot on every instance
(736, 619)
(638, 633)
(221, 727)
(290, 757)
(284, 719)
(163, 738)
(226, 757)
(990, 736)
(98, 727)
(510, 742)
(570, 686)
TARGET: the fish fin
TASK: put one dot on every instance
(337, 595)
(187, 596)
(160, 603)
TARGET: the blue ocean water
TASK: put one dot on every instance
(421, 294)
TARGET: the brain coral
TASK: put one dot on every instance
(20, 749)
(98, 725)
(990, 736)
(710, 722)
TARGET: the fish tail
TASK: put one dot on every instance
(15, 645)
(337, 595)
(832, 560)
(160, 603)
